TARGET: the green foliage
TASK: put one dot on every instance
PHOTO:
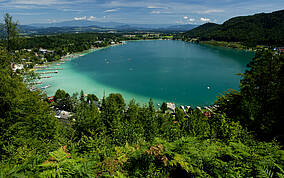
(258, 105)
(62, 164)
(87, 120)
(63, 100)
(91, 98)
(11, 32)
(164, 107)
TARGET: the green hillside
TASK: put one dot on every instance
(258, 29)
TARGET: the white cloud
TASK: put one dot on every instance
(203, 19)
(151, 7)
(51, 20)
(80, 18)
(38, 2)
(156, 7)
(111, 10)
(185, 17)
(210, 11)
(91, 18)
(155, 12)
(191, 20)
(70, 10)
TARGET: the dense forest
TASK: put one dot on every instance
(112, 138)
(258, 29)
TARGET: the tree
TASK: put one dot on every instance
(258, 106)
(91, 98)
(63, 100)
(164, 107)
(11, 32)
(82, 96)
(24, 117)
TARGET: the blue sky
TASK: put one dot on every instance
(135, 11)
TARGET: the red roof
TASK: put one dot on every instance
(51, 99)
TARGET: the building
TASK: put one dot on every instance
(44, 51)
(129, 36)
(16, 67)
(171, 106)
(281, 50)
(60, 114)
(50, 99)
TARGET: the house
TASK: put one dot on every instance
(281, 50)
(189, 108)
(208, 114)
(183, 108)
(61, 114)
(42, 50)
(50, 99)
(129, 36)
(16, 67)
(171, 106)
(199, 108)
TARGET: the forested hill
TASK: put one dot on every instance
(258, 29)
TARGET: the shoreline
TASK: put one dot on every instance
(230, 45)
(85, 52)
(73, 56)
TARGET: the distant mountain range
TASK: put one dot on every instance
(94, 26)
(263, 28)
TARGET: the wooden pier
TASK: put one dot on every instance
(51, 69)
(45, 77)
(40, 67)
(35, 83)
(48, 72)
(45, 87)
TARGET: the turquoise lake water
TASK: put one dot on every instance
(164, 70)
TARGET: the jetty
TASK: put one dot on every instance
(50, 72)
(51, 69)
(40, 67)
(45, 77)
(45, 87)
(35, 83)
(65, 60)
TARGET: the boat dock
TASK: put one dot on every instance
(40, 67)
(51, 69)
(48, 72)
(45, 87)
(35, 83)
(65, 59)
(45, 77)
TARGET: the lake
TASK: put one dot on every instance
(164, 70)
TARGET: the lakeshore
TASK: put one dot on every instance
(51, 67)
(151, 69)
